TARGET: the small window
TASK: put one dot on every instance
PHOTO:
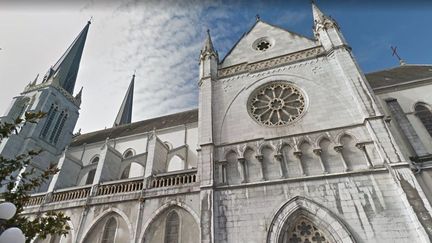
(172, 226)
(129, 153)
(95, 160)
(125, 173)
(425, 115)
(90, 177)
(109, 232)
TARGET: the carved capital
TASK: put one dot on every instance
(338, 148)
(260, 157)
(361, 146)
(317, 151)
(278, 156)
(298, 154)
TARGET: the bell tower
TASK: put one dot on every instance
(54, 95)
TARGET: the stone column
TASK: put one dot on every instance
(261, 160)
(362, 147)
(244, 174)
(318, 153)
(339, 149)
(299, 154)
(283, 168)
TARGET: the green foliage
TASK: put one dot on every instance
(50, 223)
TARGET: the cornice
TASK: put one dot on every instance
(271, 63)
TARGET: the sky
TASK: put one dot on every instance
(160, 41)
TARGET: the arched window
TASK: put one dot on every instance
(303, 230)
(125, 173)
(172, 226)
(129, 153)
(49, 120)
(60, 127)
(90, 176)
(95, 159)
(109, 231)
(56, 126)
(176, 163)
(425, 115)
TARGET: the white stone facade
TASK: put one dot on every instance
(341, 172)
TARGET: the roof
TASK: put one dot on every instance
(399, 75)
(167, 121)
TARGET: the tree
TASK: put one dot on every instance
(18, 182)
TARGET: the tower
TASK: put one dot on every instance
(54, 95)
(124, 115)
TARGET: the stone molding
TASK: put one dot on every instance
(316, 213)
(271, 63)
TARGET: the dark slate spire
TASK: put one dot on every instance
(65, 71)
(124, 115)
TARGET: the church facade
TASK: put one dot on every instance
(291, 142)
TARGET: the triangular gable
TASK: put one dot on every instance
(282, 42)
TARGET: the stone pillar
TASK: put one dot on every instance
(318, 153)
(406, 127)
(362, 147)
(283, 168)
(299, 154)
(339, 149)
(260, 158)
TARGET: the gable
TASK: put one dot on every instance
(281, 42)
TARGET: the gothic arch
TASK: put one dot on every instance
(248, 148)
(282, 144)
(321, 217)
(167, 207)
(321, 138)
(264, 146)
(104, 214)
(344, 134)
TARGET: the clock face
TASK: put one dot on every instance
(277, 103)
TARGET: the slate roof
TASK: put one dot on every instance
(392, 76)
(399, 75)
(167, 121)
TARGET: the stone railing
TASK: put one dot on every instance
(120, 187)
(70, 194)
(171, 179)
(35, 199)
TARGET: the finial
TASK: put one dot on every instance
(208, 31)
(90, 20)
(134, 73)
(257, 17)
(394, 50)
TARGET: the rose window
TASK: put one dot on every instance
(263, 45)
(276, 104)
(303, 231)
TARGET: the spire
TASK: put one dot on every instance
(65, 71)
(322, 21)
(78, 96)
(208, 49)
(124, 115)
(318, 15)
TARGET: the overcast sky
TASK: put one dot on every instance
(162, 40)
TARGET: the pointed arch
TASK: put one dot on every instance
(423, 112)
(303, 208)
(264, 146)
(109, 231)
(109, 213)
(166, 208)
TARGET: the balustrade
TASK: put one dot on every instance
(173, 180)
(127, 186)
(35, 200)
(70, 195)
